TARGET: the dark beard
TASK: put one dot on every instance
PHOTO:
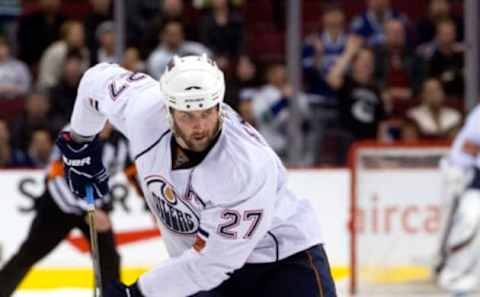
(190, 146)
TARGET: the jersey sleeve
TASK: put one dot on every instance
(229, 231)
(132, 102)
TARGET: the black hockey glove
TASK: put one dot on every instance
(116, 289)
(83, 165)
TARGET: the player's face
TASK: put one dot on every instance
(197, 128)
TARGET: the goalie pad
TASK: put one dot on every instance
(456, 178)
(460, 272)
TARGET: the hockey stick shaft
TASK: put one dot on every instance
(94, 242)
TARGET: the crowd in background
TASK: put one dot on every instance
(377, 73)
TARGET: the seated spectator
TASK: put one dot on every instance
(446, 59)
(38, 30)
(371, 23)
(438, 10)
(34, 117)
(73, 37)
(40, 148)
(409, 132)
(270, 108)
(243, 87)
(396, 66)
(433, 119)
(106, 40)
(132, 61)
(320, 52)
(10, 10)
(172, 43)
(63, 94)
(15, 78)
(10, 157)
(170, 10)
(101, 12)
(221, 30)
(139, 14)
(361, 107)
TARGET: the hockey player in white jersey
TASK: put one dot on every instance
(459, 267)
(218, 191)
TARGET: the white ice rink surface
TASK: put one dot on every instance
(89, 293)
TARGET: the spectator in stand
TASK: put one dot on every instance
(170, 10)
(221, 30)
(320, 52)
(396, 67)
(371, 23)
(242, 87)
(446, 61)
(146, 16)
(63, 94)
(361, 105)
(139, 14)
(409, 132)
(10, 157)
(132, 61)
(34, 117)
(172, 43)
(101, 12)
(106, 40)
(51, 64)
(10, 10)
(38, 30)
(438, 10)
(15, 78)
(270, 108)
(40, 148)
(433, 119)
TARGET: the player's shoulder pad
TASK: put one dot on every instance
(235, 171)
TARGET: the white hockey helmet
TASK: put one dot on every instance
(192, 83)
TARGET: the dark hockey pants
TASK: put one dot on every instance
(49, 227)
(305, 274)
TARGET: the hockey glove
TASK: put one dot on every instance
(116, 289)
(83, 165)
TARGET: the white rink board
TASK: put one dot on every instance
(328, 190)
(400, 205)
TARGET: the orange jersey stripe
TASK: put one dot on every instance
(56, 169)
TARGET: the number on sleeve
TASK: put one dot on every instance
(116, 90)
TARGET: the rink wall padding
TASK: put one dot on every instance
(140, 244)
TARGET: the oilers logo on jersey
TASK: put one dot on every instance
(174, 212)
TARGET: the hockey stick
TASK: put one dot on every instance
(448, 228)
(93, 242)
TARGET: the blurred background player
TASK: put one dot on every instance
(460, 251)
(58, 212)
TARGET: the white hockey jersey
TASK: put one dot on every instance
(465, 150)
(232, 208)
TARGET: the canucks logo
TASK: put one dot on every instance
(175, 213)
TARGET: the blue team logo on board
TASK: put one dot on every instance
(175, 213)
